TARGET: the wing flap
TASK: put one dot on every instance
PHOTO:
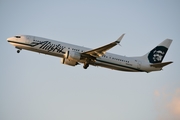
(160, 65)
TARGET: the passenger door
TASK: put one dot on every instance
(138, 64)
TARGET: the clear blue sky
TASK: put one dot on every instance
(38, 87)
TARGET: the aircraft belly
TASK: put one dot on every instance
(114, 67)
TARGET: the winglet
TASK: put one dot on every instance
(120, 38)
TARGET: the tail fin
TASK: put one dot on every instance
(157, 54)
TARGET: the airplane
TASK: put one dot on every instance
(74, 55)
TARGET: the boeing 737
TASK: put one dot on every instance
(74, 55)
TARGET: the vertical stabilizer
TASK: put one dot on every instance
(157, 54)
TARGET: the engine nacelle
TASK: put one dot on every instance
(68, 62)
(71, 55)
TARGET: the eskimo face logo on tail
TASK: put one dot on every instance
(157, 54)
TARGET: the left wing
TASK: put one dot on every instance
(98, 52)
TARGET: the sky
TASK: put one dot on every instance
(35, 86)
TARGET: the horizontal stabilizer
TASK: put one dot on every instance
(160, 65)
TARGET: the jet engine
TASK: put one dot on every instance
(71, 55)
(68, 62)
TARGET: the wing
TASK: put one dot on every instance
(98, 52)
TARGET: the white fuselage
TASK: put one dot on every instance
(58, 49)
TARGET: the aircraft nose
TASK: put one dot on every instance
(9, 39)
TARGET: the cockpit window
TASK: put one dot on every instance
(18, 36)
